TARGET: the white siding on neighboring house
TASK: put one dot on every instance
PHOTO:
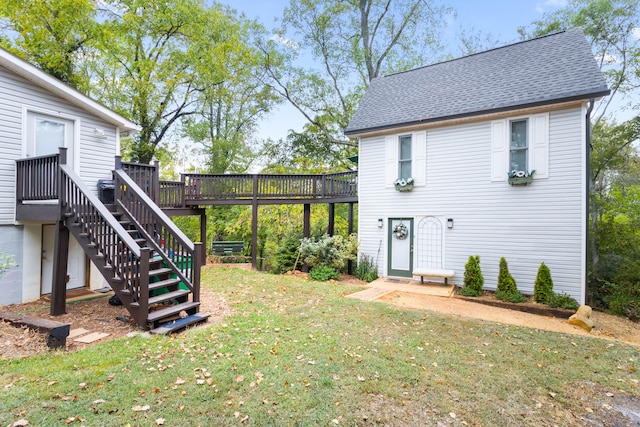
(95, 154)
(540, 222)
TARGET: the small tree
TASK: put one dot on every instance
(543, 288)
(507, 289)
(473, 279)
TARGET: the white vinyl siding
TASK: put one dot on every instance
(95, 155)
(542, 222)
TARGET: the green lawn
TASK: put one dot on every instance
(296, 353)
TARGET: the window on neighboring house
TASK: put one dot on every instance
(518, 146)
(404, 159)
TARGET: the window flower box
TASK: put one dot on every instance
(515, 177)
(402, 184)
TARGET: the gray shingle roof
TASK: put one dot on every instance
(554, 68)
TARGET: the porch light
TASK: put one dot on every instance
(449, 223)
(380, 222)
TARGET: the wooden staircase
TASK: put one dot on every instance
(151, 266)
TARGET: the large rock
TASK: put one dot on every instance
(582, 318)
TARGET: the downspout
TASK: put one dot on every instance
(588, 193)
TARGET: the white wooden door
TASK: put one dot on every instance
(400, 262)
(76, 267)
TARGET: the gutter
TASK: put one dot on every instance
(588, 149)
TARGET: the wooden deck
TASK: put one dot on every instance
(37, 180)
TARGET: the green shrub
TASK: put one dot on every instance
(322, 273)
(286, 255)
(473, 279)
(624, 299)
(543, 288)
(331, 251)
(562, 301)
(366, 269)
(510, 296)
(507, 289)
(506, 282)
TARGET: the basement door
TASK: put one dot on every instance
(76, 267)
(400, 262)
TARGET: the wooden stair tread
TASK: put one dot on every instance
(163, 283)
(174, 325)
(159, 271)
(168, 296)
(157, 315)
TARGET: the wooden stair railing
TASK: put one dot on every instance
(122, 262)
(179, 254)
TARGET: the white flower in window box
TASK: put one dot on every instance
(402, 184)
(516, 177)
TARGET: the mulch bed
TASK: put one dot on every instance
(527, 307)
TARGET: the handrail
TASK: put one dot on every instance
(129, 262)
(37, 178)
(173, 246)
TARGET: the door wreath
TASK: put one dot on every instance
(400, 231)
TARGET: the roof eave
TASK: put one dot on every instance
(50, 83)
(354, 133)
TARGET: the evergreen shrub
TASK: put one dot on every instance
(507, 289)
(543, 288)
(473, 279)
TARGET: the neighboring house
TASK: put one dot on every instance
(40, 114)
(457, 129)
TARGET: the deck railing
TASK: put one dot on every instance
(145, 176)
(37, 178)
(202, 187)
(171, 194)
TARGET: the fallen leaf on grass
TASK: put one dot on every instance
(160, 421)
(589, 410)
(139, 408)
(180, 381)
(20, 423)
(452, 414)
(239, 378)
(95, 402)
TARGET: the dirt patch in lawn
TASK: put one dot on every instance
(90, 312)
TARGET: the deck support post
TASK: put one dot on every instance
(203, 234)
(350, 230)
(332, 216)
(254, 224)
(61, 251)
(60, 261)
(306, 228)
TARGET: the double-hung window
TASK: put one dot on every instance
(518, 146)
(404, 157)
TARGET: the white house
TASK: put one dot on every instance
(40, 114)
(453, 131)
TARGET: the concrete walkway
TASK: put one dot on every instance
(386, 285)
